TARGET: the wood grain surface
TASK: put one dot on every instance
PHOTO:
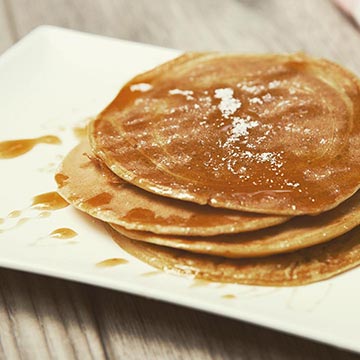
(44, 318)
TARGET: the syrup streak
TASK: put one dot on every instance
(13, 148)
(111, 262)
(43, 203)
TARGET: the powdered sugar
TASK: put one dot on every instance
(143, 87)
(187, 93)
(228, 104)
(241, 126)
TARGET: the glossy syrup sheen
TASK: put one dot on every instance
(63, 233)
(49, 201)
(207, 217)
(229, 296)
(196, 220)
(99, 200)
(111, 262)
(14, 148)
(45, 203)
(14, 214)
(61, 179)
(273, 138)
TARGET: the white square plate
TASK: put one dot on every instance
(53, 80)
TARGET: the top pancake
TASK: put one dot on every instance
(276, 134)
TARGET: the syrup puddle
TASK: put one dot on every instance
(42, 203)
(229, 296)
(99, 200)
(63, 233)
(60, 233)
(14, 148)
(61, 179)
(14, 214)
(44, 214)
(111, 262)
(49, 201)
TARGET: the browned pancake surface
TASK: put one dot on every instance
(298, 268)
(92, 187)
(264, 133)
(298, 233)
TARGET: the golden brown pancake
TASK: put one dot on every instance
(297, 268)
(298, 233)
(276, 134)
(93, 188)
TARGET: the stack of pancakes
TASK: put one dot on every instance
(229, 168)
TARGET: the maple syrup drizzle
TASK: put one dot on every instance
(203, 219)
(63, 233)
(44, 214)
(111, 262)
(14, 214)
(99, 200)
(13, 148)
(61, 179)
(17, 213)
(228, 296)
(49, 201)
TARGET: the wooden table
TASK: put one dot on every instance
(47, 318)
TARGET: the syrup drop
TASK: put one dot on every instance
(14, 214)
(111, 262)
(14, 148)
(228, 296)
(49, 201)
(63, 233)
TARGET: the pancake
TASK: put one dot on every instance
(302, 267)
(298, 233)
(92, 187)
(275, 134)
